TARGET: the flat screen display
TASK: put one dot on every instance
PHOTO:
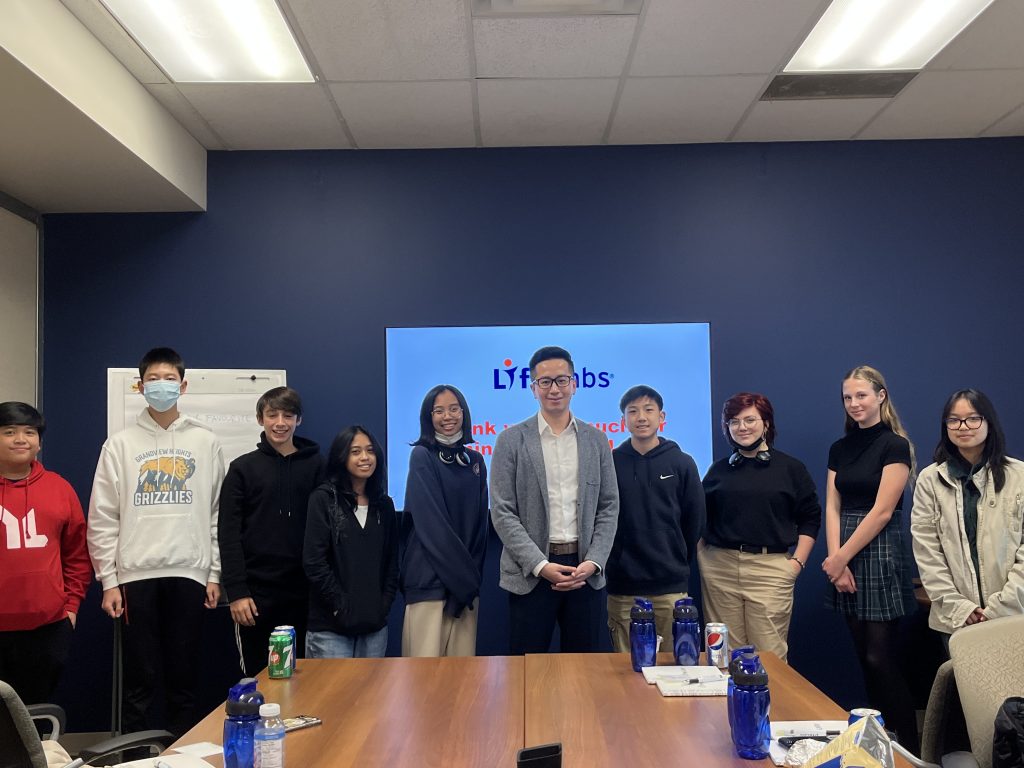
(490, 365)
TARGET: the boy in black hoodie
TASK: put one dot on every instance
(261, 529)
(661, 517)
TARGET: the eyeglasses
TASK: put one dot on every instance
(747, 422)
(452, 410)
(560, 381)
(972, 422)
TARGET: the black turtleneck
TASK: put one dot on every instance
(858, 460)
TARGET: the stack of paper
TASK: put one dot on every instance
(688, 681)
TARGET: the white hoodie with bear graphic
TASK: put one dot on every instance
(153, 510)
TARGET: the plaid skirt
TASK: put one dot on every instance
(884, 591)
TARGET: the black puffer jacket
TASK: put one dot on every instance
(1008, 744)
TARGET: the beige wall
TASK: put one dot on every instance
(19, 306)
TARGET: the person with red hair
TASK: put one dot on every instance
(763, 516)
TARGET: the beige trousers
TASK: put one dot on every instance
(428, 631)
(751, 594)
(618, 618)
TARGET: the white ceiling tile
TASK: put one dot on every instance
(386, 39)
(949, 105)
(721, 37)
(680, 110)
(183, 111)
(571, 46)
(1011, 125)
(522, 113)
(268, 115)
(993, 41)
(396, 115)
(811, 120)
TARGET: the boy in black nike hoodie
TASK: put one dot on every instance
(262, 526)
(661, 517)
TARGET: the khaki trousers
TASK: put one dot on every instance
(752, 594)
(618, 618)
(428, 631)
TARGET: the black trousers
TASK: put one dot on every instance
(163, 622)
(253, 642)
(579, 615)
(31, 660)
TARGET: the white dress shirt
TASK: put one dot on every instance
(561, 469)
(562, 472)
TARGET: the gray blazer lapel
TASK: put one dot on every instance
(536, 454)
(585, 458)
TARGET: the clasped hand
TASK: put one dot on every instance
(565, 578)
(838, 572)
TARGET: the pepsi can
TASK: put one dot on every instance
(862, 712)
(716, 645)
(291, 632)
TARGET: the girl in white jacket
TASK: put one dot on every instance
(966, 521)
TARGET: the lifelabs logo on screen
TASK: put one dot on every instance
(506, 378)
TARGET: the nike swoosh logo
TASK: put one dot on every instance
(666, 477)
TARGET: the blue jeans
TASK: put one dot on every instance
(331, 645)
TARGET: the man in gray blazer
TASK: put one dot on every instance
(555, 506)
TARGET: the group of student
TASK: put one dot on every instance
(293, 539)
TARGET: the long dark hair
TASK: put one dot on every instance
(337, 464)
(994, 452)
(426, 438)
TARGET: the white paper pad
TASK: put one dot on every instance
(173, 761)
(777, 752)
(200, 749)
(674, 674)
(677, 681)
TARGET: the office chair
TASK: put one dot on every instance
(984, 670)
(988, 660)
(21, 747)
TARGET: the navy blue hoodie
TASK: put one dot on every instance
(661, 517)
(445, 529)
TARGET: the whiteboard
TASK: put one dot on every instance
(221, 398)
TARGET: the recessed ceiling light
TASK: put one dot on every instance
(882, 35)
(484, 8)
(215, 41)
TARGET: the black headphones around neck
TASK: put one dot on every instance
(450, 456)
(761, 457)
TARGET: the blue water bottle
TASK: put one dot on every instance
(748, 705)
(686, 632)
(243, 714)
(749, 662)
(643, 638)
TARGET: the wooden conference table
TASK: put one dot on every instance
(479, 711)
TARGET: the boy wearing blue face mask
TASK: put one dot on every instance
(152, 533)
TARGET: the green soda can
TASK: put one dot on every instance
(281, 651)
(291, 631)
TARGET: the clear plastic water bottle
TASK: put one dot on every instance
(686, 632)
(270, 738)
(749, 704)
(643, 637)
(243, 713)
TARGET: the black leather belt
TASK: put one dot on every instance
(752, 550)
(567, 548)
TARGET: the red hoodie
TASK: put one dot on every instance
(44, 562)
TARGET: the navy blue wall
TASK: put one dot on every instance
(805, 258)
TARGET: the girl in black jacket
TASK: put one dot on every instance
(351, 552)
